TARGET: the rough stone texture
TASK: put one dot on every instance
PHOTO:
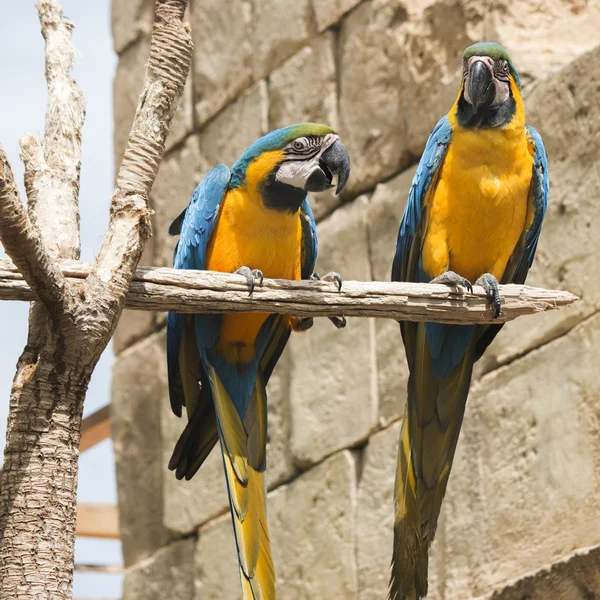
(139, 381)
(225, 138)
(328, 12)
(312, 528)
(216, 567)
(179, 174)
(135, 324)
(167, 574)
(311, 525)
(281, 28)
(304, 87)
(223, 53)
(399, 73)
(131, 19)
(544, 35)
(332, 392)
(527, 471)
(575, 578)
(566, 111)
(188, 504)
(128, 84)
(291, 100)
(385, 213)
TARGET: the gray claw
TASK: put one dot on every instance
(304, 324)
(490, 284)
(251, 276)
(452, 278)
(333, 277)
(315, 277)
(339, 322)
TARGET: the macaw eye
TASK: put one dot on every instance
(300, 144)
(504, 66)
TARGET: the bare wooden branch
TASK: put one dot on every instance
(210, 292)
(129, 226)
(23, 243)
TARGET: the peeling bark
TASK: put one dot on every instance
(72, 321)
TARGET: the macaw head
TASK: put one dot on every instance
(490, 84)
(284, 165)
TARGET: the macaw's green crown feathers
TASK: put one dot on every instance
(275, 140)
(495, 51)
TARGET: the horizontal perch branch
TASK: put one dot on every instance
(209, 292)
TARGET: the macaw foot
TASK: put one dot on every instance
(251, 276)
(490, 284)
(452, 278)
(331, 276)
(302, 323)
(339, 322)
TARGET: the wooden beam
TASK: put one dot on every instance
(95, 428)
(98, 521)
(162, 289)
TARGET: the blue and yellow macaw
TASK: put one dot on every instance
(254, 219)
(474, 213)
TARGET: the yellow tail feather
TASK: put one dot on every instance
(247, 488)
(430, 430)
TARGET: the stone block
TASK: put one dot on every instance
(312, 529)
(566, 111)
(385, 214)
(544, 36)
(333, 389)
(223, 53)
(575, 578)
(188, 504)
(526, 477)
(400, 67)
(135, 324)
(131, 19)
(226, 137)
(180, 172)
(329, 12)
(281, 27)
(292, 100)
(216, 562)
(167, 574)
(138, 386)
(128, 83)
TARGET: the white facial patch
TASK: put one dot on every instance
(297, 171)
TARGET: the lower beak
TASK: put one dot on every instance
(333, 170)
(481, 87)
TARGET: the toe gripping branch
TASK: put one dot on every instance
(340, 322)
(251, 276)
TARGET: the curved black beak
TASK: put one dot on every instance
(334, 166)
(481, 87)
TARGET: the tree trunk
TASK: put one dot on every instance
(39, 480)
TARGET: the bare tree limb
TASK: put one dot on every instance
(23, 243)
(129, 226)
(210, 292)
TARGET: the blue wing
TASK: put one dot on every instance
(408, 248)
(195, 225)
(310, 243)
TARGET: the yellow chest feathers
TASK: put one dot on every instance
(478, 209)
(248, 234)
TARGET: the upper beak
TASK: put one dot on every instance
(481, 88)
(333, 170)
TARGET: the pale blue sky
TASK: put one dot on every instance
(22, 107)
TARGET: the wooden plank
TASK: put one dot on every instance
(98, 521)
(95, 428)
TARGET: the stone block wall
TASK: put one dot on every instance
(522, 512)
